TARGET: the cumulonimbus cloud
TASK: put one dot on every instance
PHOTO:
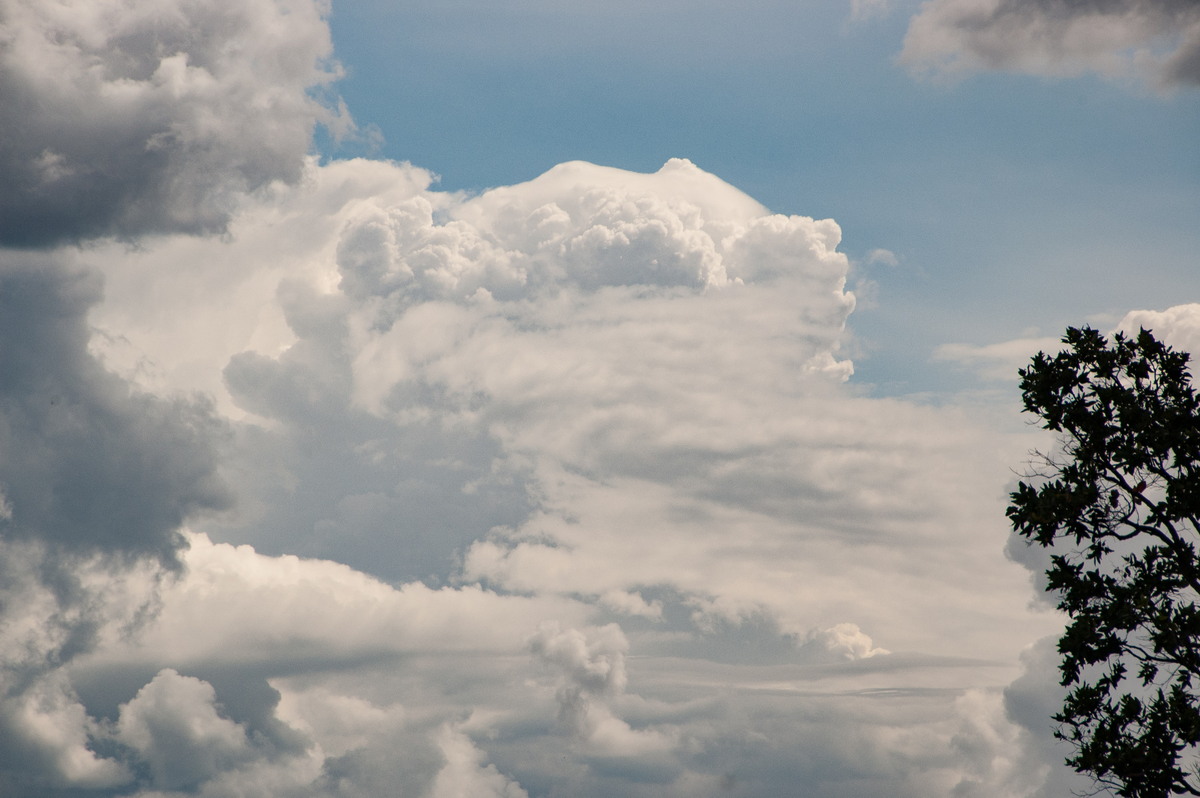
(1158, 40)
(604, 416)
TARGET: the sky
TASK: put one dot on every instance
(536, 399)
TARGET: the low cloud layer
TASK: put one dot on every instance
(1153, 40)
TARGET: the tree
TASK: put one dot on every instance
(1118, 508)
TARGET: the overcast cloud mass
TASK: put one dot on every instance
(317, 479)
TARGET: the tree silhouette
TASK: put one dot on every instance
(1118, 507)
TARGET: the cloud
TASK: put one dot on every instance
(577, 225)
(467, 773)
(174, 726)
(283, 677)
(868, 9)
(237, 607)
(47, 742)
(1158, 41)
(590, 669)
(455, 366)
(1031, 700)
(884, 256)
(86, 463)
(96, 478)
(845, 640)
(998, 361)
(363, 726)
(123, 122)
(561, 488)
(595, 398)
(600, 417)
(1179, 325)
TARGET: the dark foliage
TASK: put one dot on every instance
(1119, 510)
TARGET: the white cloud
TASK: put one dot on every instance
(180, 308)
(846, 640)
(604, 396)
(884, 256)
(631, 603)
(465, 772)
(1178, 326)
(238, 607)
(559, 489)
(585, 501)
(95, 476)
(1159, 41)
(597, 395)
(998, 361)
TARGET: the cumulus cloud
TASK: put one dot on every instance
(591, 669)
(1030, 702)
(175, 728)
(237, 607)
(1179, 326)
(589, 404)
(605, 409)
(846, 641)
(123, 120)
(48, 739)
(556, 489)
(594, 397)
(1159, 41)
(584, 226)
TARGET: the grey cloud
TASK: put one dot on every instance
(1156, 39)
(409, 769)
(1029, 701)
(121, 121)
(174, 726)
(87, 463)
(96, 480)
(331, 480)
(762, 742)
(591, 668)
